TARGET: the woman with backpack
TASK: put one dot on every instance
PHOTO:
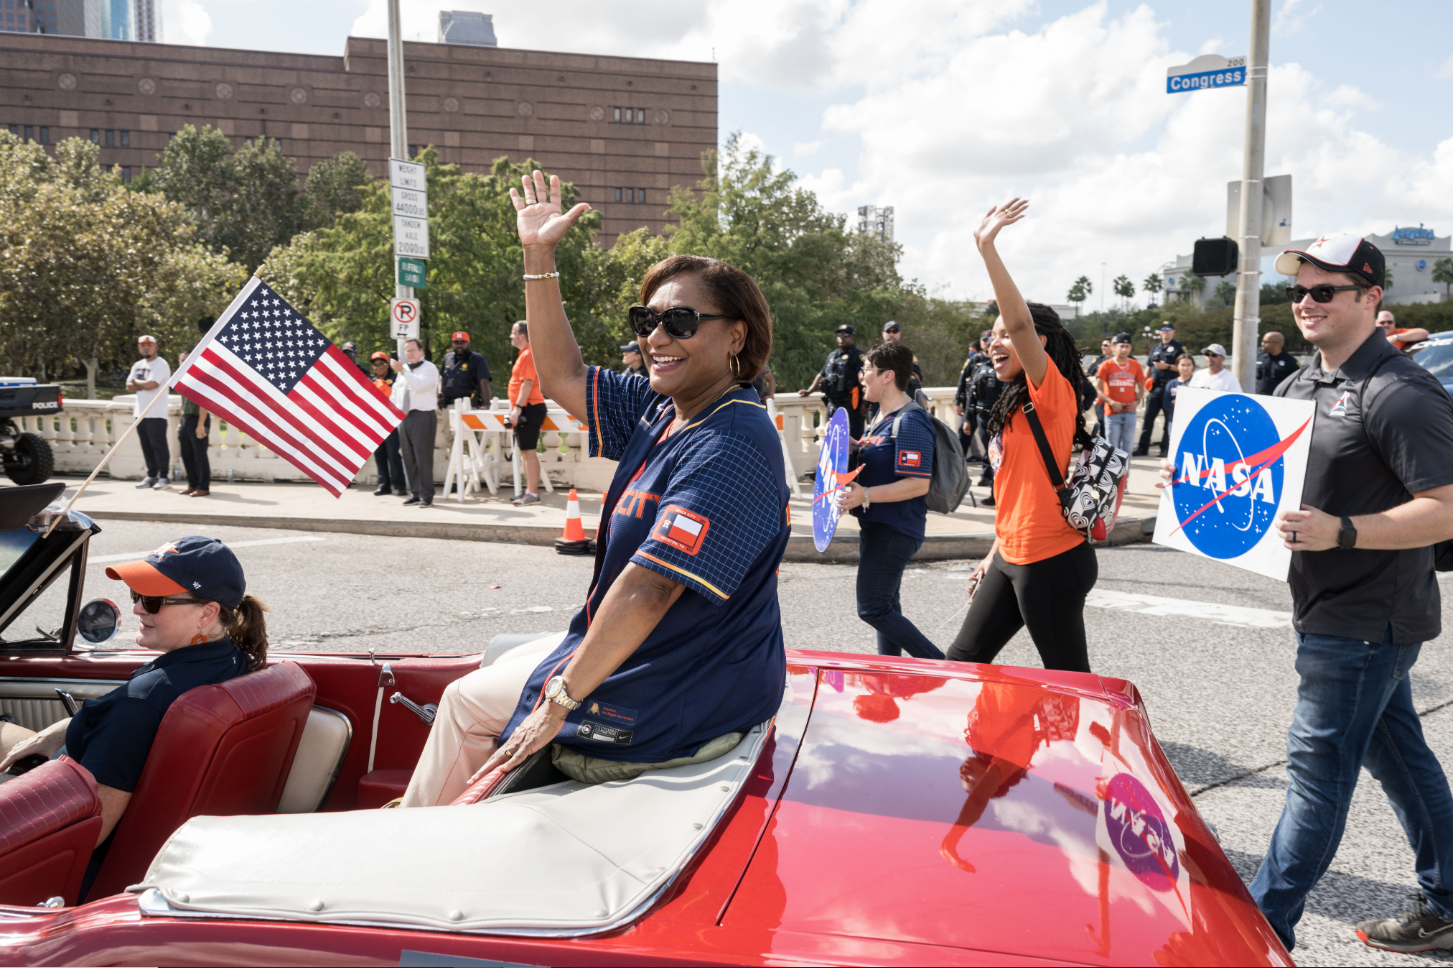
(1040, 568)
(896, 457)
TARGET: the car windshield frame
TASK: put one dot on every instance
(35, 562)
(1435, 356)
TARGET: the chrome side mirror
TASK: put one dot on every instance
(98, 622)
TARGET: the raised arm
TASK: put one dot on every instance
(557, 356)
(1017, 321)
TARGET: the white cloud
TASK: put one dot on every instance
(1292, 17)
(1445, 72)
(185, 22)
(805, 148)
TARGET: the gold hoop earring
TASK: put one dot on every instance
(735, 368)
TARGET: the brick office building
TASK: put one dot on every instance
(623, 129)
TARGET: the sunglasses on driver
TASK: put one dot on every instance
(1321, 294)
(681, 322)
(153, 603)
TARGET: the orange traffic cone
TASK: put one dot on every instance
(573, 541)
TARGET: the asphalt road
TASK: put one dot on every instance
(1207, 645)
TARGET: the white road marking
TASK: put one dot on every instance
(1238, 615)
(136, 555)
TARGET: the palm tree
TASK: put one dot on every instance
(1151, 284)
(1191, 284)
(1443, 272)
(1225, 293)
(1079, 292)
(1125, 289)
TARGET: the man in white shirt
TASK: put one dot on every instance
(1215, 376)
(148, 379)
(416, 393)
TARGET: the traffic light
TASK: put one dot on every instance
(1215, 257)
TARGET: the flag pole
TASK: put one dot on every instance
(196, 351)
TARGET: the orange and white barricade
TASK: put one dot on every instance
(479, 436)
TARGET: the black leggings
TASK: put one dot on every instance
(1048, 596)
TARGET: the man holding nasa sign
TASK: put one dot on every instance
(1378, 492)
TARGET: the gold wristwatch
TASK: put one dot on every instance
(555, 692)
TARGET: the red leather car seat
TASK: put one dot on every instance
(221, 750)
(50, 818)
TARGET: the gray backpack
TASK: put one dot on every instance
(950, 478)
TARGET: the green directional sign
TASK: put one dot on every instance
(411, 273)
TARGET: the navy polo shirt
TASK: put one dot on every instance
(112, 736)
(884, 461)
(705, 506)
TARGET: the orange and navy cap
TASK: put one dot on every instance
(378, 355)
(460, 335)
(204, 567)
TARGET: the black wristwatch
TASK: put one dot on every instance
(1347, 537)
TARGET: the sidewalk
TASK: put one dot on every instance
(967, 533)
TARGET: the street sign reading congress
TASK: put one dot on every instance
(1208, 70)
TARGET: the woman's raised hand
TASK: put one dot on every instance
(538, 217)
(997, 217)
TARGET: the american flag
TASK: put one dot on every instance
(265, 369)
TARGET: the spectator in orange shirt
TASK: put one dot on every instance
(1119, 385)
(1400, 338)
(387, 458)
(527, 412)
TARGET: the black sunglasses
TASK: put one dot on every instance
(1321, 294)
(681, 322)
(153, 603)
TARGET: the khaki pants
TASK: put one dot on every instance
(472, 713)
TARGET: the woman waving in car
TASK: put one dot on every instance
(189, 596)
(678, 648)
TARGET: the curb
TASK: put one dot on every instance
(800, 547)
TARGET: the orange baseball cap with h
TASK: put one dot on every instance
(460, 335)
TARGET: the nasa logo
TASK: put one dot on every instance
(1139, 833)
(1339, 409)
(1230, 473)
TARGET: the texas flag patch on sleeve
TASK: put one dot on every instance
(681, 529)
(909, 458)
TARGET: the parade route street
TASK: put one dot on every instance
(1209, 647)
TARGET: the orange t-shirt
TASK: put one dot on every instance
(1029, 522)
(1121, 379)
(525, 370)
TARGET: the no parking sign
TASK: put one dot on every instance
(1240, 460)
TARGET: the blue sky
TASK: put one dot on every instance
(939, 108)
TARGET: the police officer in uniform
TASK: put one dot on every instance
(839, 379)
(1378, 494)
(893, 333)
(1162, 367)
(635, 364)
(969, 422)
(984, 390)
(466, 374)
(1273, 365)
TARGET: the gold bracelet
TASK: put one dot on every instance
(543, 275)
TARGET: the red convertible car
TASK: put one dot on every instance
(893, 811)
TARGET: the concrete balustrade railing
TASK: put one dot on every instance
(86, 429)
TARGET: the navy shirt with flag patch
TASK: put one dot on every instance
(706, 507)
(885, 461)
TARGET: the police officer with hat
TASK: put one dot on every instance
(1378, 494)
(635, 363)
(1162, 367)
(839, 379)
(350, 350)
(466, 374)
(386, 458)
(893, 333)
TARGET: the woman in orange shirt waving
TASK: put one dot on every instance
(1040, 568)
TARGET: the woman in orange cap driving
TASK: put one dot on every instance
(190, 598)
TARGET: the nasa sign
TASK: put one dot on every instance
(1240, 460)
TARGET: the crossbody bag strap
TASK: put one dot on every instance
(1056, 477)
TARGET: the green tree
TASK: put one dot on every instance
(1124, 288)
(1225, 292)
(334, 187)
(1192, 284)
(1271, 294)
(1079, 292)
(1443, 272)
(245, 202)
(815, 275)
(1152, 284)
(86, 266)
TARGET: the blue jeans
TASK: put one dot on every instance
(882, 555)
(1354, 708)
(1120, 430)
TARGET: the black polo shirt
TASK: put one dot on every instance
(1383, 431)
(112, 736)
(1271, 370)
(1166, 353)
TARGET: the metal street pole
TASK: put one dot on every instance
(397, 121)
(1247, 319)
